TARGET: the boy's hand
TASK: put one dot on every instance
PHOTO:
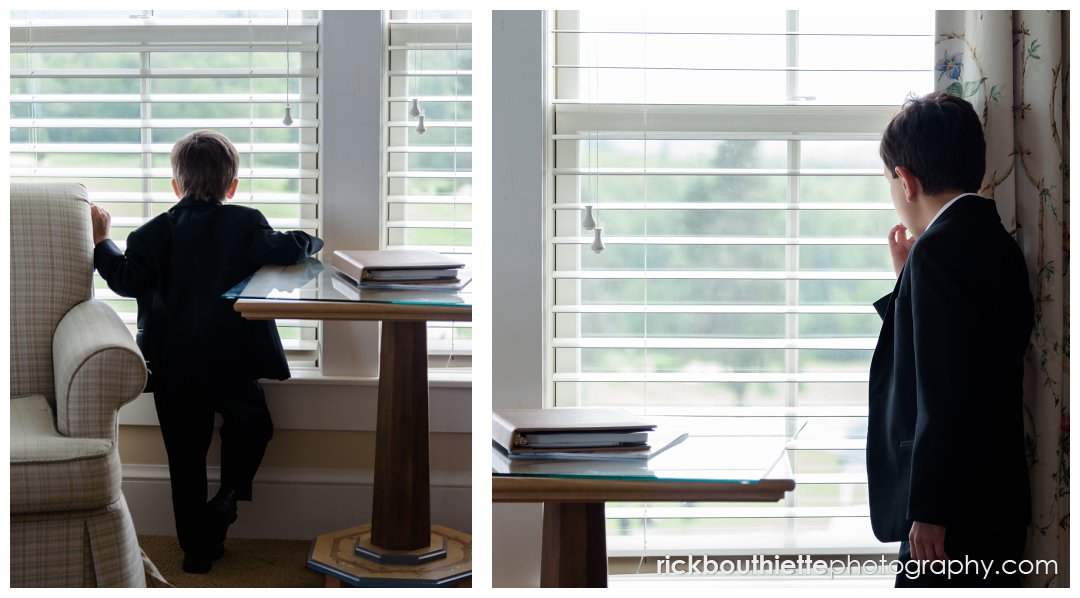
(101, 220)
(899, 246)
(927, 542)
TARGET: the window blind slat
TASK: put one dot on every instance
(161, 98)
(721, 275)
(700, 240)
(713, 309)
(431, 72)
(415, 224)
(741, 172)
(154, 148)
(436, 124)
(427, 174)
(277, 223)
(428, 199)
(446, 99)
(152, 46)
(434, 149)
(161, 123)
(690, 69)
(164, 73)
(155, 173)
(654, 342)
(805, 377)
(170, 198)
(711, 205)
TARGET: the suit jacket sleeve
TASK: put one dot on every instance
(943, 305)
(284, 248)
(131, 273)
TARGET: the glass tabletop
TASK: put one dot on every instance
(313, 280)
(698, 458)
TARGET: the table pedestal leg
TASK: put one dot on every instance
(401, 510)
(574, 546)
(400, 547)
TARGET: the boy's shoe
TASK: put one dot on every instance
(220, 513)
(196, 563)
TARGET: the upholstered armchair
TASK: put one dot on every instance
(73, 365)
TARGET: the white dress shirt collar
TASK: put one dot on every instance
(945, 207)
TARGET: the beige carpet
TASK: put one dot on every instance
(246, 564)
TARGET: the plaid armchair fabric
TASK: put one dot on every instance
(73, 365)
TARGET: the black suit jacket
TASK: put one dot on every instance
(945, 435)
(177, 266)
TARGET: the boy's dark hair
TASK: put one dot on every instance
(939, 138)
(204, 164)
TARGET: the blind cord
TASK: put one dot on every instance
(251, 109)
(32, 88)
(645, 266)
(454, 181)
(288, 120)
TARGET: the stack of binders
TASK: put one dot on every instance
(400, 269)
(536, 432)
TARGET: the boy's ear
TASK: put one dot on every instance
(232, 189)
(910, 183)
(176, 190)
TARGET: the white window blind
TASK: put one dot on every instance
(100, 97)
(428, 186)
(730, 159)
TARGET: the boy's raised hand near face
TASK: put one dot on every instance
(101, 220)
(899, 246)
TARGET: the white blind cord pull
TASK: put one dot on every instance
(588, 223)
(597, 242)
(415, 109)
(287, 121)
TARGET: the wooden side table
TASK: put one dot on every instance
(574, 550)
(399, 546)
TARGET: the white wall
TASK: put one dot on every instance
(517, 255)
(350, 169)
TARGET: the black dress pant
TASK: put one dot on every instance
(996, 545)
(185, 409)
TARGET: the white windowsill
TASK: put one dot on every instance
(312, 401)
(437, 378)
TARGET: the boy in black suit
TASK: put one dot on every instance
(945, 452)
(203, 357)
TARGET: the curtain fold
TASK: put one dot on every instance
(1013, 66)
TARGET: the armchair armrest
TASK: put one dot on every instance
(97, 368)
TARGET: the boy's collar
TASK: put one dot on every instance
(946, 206)
(189, 201)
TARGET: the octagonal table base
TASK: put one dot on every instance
(373, 552)
(334, 554)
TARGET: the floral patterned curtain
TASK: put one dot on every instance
(1013, 66)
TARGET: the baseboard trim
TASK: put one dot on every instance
(293, 503)
(286, 475)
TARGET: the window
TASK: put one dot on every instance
(100, 97)
(731, 161)
(428, 189)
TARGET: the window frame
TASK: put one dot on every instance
(769, 121)
(395, 155)
(169, 34)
